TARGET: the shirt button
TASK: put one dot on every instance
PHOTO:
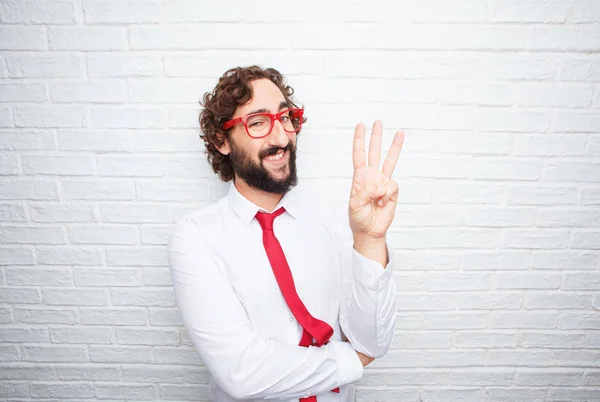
(291, 318)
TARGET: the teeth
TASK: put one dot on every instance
(275, 157)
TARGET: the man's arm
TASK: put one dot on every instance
(244, 364)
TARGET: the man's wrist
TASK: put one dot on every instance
(372, 248)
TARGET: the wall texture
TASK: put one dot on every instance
(498, 229)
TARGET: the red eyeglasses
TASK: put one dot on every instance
(260, 125)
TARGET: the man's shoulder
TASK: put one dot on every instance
(207, 216)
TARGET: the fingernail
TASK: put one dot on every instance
(380, 203)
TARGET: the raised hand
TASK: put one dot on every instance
(374, 194)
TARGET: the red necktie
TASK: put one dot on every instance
(312, 327)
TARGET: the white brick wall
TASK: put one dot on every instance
(497, 232)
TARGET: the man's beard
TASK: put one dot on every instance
(257, 176)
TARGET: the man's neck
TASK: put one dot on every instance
(265, 200)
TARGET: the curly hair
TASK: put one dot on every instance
(232, 90)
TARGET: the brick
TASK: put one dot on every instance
(164, 316)
(201, 375)
(166, 90)
(112, 316)
(523, 67)
(6, 117)
(550, 145)
(38, 277)
(122, 12)
(23, 335)
(123, 64)
(39, 12)
(120, 354)
(490, 260)
(519, 358)
(102, 277)
(490, 302)
(136, 166)
(112, 234)
(155, 235)
(582, 281)
(62, 212)
(374, 394)
(536, 239)
(456, 320)
(146, 256)
(94, 91)
(5, 316)
(16, 256)
(579, 321)
(189, 167)
(468, 193)
(156, 374)
(407, 239)
(593, 146)
(538, 320)
(25, 189)
(48, 117)
(131, 392)
(576, 358)
(472, 394)
(568, 218)
(87, 38)
(565, 260)
(571, 171)
(482, 339)
(551, 340)
(12, 295)
(586, 240)
(516, 394)
(45, 316)
(80, 335)
(481, 376)
(580, 70)
(183, 118)
(22, 92)
(556, 301)
(80, 372)
(223, 36)
(592, 378)
(176, 355)
(62, 390)
(458, 281)
(135, 118)
(93, 140)
(9, 164)
(69, 256)
(519, 280)
(564, 38)
(420, 340)
(171, 191)
(576, 122)
(150, 141)
(57, 165)
(404, 377)
(495, 217)
(429, 260)
(54, 354)
(74, 297)
(505, 169)
(150, 337)
(98, 189)
(23, 140)
(464, 238)
(25, 371)
(585, 11)
(44, 65)
(9, 353)
(531, 11)
(528, 195)
(10, 389)
(434, 302)
(134, 213)
(590, 196)
(157, 277)
(561, 394)
(143, 298)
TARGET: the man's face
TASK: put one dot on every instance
(268, 163)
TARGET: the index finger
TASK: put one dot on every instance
(389, 164)
(358, 148)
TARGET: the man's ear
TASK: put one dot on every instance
(224, 149)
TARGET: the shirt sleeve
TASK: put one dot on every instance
(368, 308)
(244, 364)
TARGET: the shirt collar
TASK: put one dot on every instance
(246, 210)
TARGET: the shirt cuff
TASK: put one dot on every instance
(370, 273)
(350, 367)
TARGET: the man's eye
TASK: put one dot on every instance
(285, 118)
(256, 124)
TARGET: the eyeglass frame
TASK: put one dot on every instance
(273, 116)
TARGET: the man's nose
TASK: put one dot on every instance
(278, 135)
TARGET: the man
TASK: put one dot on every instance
(275, 304)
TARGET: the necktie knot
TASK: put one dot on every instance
(266, 220)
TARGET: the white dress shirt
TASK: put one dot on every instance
(238, 320)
